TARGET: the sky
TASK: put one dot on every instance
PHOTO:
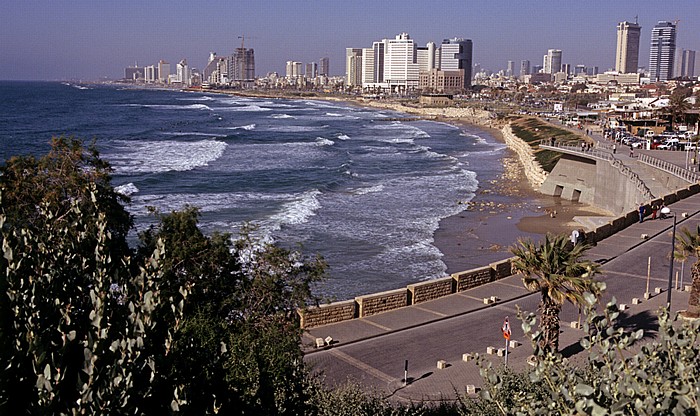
(96, 39)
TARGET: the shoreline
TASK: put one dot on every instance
(504, 209)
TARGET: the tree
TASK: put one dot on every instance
(556, 270)
(688, 244)
(677, 106)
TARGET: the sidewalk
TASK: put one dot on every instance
(372, 349)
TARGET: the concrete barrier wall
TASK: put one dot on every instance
(472, 278)
(381, 302)
(429, 290)
(420, 292)
(328, 314)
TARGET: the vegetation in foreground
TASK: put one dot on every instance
(195, 324)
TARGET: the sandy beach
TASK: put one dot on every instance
(504, 209)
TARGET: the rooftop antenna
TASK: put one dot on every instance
(636, 20)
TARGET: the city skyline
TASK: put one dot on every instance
(42, 40)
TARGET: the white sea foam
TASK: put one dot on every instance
(246, 127)
(322, 141)
(297, 211)
(189, 133)
(206, 202)
(343, 137)
(295, 129)
(171, 106)
(127, 189)
(147, 156)
(281, 116)
(201, 98)
(369, 190)
(249, 108)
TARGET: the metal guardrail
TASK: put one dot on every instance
(602, 155)
(675, 170)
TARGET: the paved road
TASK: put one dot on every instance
(372, 350)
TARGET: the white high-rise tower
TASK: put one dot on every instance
(663, 50)
(627, 56)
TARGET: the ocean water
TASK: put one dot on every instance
(330, 178)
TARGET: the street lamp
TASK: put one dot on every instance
(667, 211)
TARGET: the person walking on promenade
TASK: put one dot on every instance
(654, 209)
(641, 213)
(614, 148)
(631, 151)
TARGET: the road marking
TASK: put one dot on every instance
(637, 276)
(361, 366)
(464, 295)
(511, 285)
(428, 310)
(376, 324)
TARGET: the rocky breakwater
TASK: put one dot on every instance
(532, 169)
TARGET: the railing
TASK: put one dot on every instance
(675, 170)
(603, 155)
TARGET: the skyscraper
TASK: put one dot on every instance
(688, 64)
(163, 71)
(510, 69)
(400, 66)
(242, 65)
(627, 56)
(353, 66)
(456, 54)
(524, 68)
(323, 67)
(662, 53)
(552, 61)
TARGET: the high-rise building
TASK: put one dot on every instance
(368, 67)
(150, 73)
(163, 71)
(311, 70)
(566, 68)
(400, 67)
(183, 73)
(134, 73)
(552, 61)
(294, 69)
(242, 65)
(688, 64)
(627, 56)
(662, 52)
(510, 68)
(524, 68)
(353, 67)
(323, 67)
(456, 54)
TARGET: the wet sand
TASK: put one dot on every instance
(503, 211)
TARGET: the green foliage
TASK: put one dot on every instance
(623, 375)
(555, 268)
(687, 245)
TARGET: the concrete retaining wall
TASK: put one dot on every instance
(472, 278)
(381, 302)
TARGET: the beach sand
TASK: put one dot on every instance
(503, 211)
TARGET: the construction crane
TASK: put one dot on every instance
(242, 38)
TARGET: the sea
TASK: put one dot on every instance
(361, 187)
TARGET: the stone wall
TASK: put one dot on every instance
(472, 278)
(532, 169)
(381, 302)
(328, 314)
(429, 290)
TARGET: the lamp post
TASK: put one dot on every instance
(667, 211)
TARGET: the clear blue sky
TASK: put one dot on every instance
(90, 39)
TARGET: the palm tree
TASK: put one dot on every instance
(688, 244)
(677, 107)
(556, 270)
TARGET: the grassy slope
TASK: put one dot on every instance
(532, 130)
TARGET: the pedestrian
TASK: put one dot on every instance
(614, 148)
(641, 213)
(654, 210)
(631, 151)
(583, 146)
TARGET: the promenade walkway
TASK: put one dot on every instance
(373, 350)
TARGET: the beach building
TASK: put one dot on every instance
(627, 55)
(163, 72)
(456, 54)
(323, 67)
(551, 63)
(662, 52)
(353, 67)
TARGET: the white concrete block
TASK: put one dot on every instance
(467, 357)
(684, 215)
(494, 299)
(645, 236)
(320, 342)
(471, 389)
(636, 301)
(441, 364)
(647, 295)
(688, 288)
(501, 352)
(329, 340)
(622, 306)
(575, 324)
(490, 350)
(658, 290)
(513, 344)
(487, 301)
